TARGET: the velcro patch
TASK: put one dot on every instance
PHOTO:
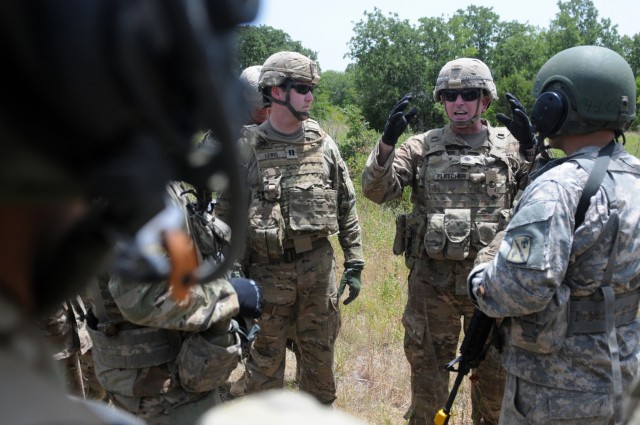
(520, 250)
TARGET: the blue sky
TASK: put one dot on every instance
(327, 25)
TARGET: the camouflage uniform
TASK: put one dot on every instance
(461, 196)
(566, 277)
(302, 193)
(158, 358)
(66, 329)
(571, 378)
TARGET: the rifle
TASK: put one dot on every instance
(472, 351)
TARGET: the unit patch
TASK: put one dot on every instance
(520, 250)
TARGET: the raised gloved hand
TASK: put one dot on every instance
(519, 124)
(398, 121)
(353, 278)
(249, 297)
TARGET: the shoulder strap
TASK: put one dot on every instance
(593, 182)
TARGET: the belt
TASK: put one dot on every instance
(588, 315)
(290, 254)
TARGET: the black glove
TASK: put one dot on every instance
(249, 297)
(398, 121)
(518, 125)
(353, 278)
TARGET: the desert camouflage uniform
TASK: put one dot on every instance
(461, 196)
(559, 370)
(66, 330)
(160, 359)
(302, 193)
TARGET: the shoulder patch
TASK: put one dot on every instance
(520, 250)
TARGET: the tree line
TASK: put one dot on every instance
(392, 57)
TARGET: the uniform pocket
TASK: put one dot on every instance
(203, 365)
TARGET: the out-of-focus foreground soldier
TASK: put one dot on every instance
(301, 194)
(463, 178)
(66, 331)
(116, 89)
(566, 277)
(164, 359)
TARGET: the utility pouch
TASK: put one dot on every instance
(266, 230)
(313, 211)
(434, 237)
(203, 365)
(484, 234)
(457, 228)
(271, 184)
(399, 241)
(543, 332)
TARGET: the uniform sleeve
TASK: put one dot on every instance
(211, 305)
(532, 259)
(350, 232)
(381, 183)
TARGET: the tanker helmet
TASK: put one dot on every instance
(583, 89)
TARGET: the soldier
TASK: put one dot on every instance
(95, 168)
(161, 359)
(259, 105)
(566, 277)
(301, 194)
(464, 178)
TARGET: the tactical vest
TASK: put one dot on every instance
(463, 196)
(294, 203)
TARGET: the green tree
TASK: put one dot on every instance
(257, 43)
(389, 63)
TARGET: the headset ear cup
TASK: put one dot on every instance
(549, 113)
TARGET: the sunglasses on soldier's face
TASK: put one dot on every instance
(467, 94)
(302, 88)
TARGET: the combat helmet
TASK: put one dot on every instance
(465, 73)
(288, 66)
(282, 69)
(582, 89)
(249, 78)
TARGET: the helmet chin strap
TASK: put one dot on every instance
(301, 116)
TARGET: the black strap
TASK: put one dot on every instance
(595, 180)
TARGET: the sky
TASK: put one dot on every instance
(326, 26)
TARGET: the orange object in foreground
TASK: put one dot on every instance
(184, 260)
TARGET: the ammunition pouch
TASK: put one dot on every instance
(266, 230)
(448, 235)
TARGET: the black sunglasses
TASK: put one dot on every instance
(302, 88)
(467, 94)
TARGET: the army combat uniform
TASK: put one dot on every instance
(548, 280)
(66, 329)
(461, 196)
(158, 358)
(302, 193)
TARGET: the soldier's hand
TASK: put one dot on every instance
(353, 278)
(398, 121)
(249, 297)
(518, 124)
